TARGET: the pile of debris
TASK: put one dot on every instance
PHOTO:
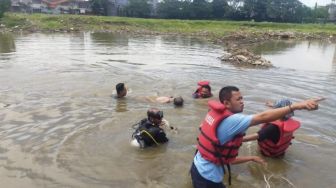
(244, 57)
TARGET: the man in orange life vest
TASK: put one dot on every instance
(222, 132)
(275, 137)
(203, 90)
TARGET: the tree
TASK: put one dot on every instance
(175, 9)
(287, 11)
(219, 8)
(4, 6)
(320, 13)
(138, 8)
(186, 9)
(99, 7)
(255, 9)
(235, 10)
(201, 9)
(170, 9)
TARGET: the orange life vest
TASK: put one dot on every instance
(286, 128)
(209, 145)
(200, 84)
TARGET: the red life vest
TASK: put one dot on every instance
(286, 128)
(199, 88)
(208, 144)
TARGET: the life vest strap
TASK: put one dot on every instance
(215, 153)
(273, 154)
(228, 167)
(228, 147)
(207, 137)
(219, 145)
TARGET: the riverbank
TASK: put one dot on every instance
(236, 36)
(219, 31)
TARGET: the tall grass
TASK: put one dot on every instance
(44, 22)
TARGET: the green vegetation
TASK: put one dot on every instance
(43, 22)
(4, 6)
(283, 11)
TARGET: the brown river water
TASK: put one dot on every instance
(61, 127)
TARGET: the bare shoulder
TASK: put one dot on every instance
(163, 99)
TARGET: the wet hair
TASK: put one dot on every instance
(154, 113)
(178, 101)
(120, 87)
(207, 87)
(226, 93)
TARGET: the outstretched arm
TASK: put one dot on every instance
(245, 159)
(164, 99)
(274, 114)
(166, 126)
(250, 137)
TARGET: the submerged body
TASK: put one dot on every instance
(148, 134)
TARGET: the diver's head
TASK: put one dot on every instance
(155, 116)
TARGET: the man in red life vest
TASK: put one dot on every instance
(221, 135)
(275, 137)
(203, 90)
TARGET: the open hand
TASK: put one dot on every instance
(259, 160)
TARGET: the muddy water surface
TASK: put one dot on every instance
(61, 127)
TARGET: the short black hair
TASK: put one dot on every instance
(178, 101)
(226, 93)
(120, 87)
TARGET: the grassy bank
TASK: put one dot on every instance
(59, 23)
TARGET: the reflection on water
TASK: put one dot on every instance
(334, 62)
(7, 43)
(121, 105)
(311, 56)
(110, 40)
(274, 47)
(60, 127)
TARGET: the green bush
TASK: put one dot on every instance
(4, 6)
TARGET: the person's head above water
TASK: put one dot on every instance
(206, 91)
(232, 99)
(203, 91)
(154, 115)
(178, 101)
(121, 90)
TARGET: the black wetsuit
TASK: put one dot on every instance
(149, 134)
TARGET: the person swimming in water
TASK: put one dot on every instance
(275, 137)
(121, 90)
(203, 90)
(150, 131)
(177, 101)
